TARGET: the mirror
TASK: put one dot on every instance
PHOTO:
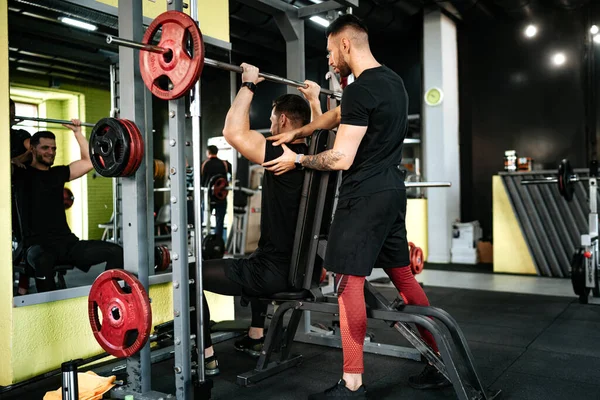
(61, 68)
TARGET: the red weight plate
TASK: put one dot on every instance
(183, 70)
(416, 259)
(137, 143)
(126, 317)
(167, 258)
(219, 189)
(132, 149)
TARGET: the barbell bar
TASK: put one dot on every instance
(51, 121)
(214, 63)
(426, 184)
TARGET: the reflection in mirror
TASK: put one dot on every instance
(63, 235)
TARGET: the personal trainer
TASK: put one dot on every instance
(266, 270)
(47, 238)
(368, 229)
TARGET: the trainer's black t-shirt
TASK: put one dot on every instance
(211, 167)
(17, 137)
(279, 208)
(39, 196)
(378, 100)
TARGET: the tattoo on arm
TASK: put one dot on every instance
(324, 161)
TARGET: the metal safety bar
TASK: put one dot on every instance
(51, 121)
(541, 181)
(217, 64)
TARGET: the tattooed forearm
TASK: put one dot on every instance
(325, 161)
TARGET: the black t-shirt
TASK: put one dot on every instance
(378, 100)
(279, 209)
(39, 197)
(17, 137)
(211, 167)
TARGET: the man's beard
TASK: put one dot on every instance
(41, 160)
(344, 68)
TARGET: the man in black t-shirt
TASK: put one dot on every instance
(266, 270)
(368, 229)
(47, 238)
(214, 166)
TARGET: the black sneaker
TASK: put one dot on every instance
(340, 391)
(429, 378)
(211, 366)
(250, 346)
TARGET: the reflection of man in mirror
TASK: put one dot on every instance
(47, 239)
(19, 140)
(19, 155)
(214, 166)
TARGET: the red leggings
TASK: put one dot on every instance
(353, 314)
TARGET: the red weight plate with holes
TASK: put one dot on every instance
(137, 145)
(140, 144)
(132, 149)
(416, 259)
(220, 189)
(126, 313)
(68, 198)
(183, 65)
(167, 258)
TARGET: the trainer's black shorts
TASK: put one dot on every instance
(368, 232)
(258, 275)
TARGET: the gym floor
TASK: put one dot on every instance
(530, 346)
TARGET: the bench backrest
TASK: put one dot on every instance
(314, 218)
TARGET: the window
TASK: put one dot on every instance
(27, 110)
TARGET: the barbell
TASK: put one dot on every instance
(565, 178)
(172, 58)
(50, 121)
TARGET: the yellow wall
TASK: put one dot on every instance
(416, 223)
(38, 338)
(511, 254)
(51, 333)
(6, 317)
(213, 15)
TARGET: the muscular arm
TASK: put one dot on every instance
(251, 144)
(344, 150)
(84, 164)
(331, 119)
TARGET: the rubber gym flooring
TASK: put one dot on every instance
(530, 346)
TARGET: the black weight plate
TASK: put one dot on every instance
(566, 188)
(109, 147)
(217, 191)
(213, 247)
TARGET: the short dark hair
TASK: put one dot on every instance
(12, 103)
(294, 107)
(346, 21)
(212, 150)
(35, 139)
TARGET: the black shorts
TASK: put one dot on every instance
(368, 232)
(258, 275)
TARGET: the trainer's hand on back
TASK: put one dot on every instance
(286, 162)
(287, 137)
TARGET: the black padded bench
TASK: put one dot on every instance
(310, 242)
(22, 267)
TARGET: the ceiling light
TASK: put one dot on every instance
(321, 21)
(597, 39)
(559, 59)
(77, 23)
(594, 30)
(531, 31)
